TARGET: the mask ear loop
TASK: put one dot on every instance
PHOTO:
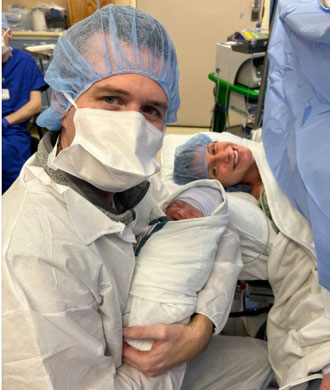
(70, 100)
(73, 103)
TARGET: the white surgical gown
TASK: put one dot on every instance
(67, 269)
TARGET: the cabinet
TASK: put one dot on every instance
(80, 9)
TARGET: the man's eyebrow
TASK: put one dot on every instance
(157, 103)
(106, 89)
(112, 90)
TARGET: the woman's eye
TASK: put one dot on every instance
(213, 149)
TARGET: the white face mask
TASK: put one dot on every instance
(112, 150)
(5, 48)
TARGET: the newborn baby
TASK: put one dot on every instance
(175, 257)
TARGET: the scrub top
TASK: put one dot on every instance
(20, 76)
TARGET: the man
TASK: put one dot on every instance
(72, 217)
(22, 83)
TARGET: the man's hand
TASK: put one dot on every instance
(325, 385)
(173, 344)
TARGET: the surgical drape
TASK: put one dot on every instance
(296, 128)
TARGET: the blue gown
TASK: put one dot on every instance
(20, 75)
(296, 126)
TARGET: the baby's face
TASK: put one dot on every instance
(178, 210)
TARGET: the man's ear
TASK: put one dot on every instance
(58, 101)
(63, 122)
(60, 104)
(10, 33)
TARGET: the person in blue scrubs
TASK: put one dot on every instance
(22, 83)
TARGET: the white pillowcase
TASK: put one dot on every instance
(254, 228)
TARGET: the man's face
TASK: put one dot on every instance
(123, 92)
(178, 210)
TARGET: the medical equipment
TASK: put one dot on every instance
(235, 64)
(238, 75)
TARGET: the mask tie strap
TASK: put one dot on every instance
(71, 101)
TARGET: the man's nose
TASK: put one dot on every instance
(132, 106)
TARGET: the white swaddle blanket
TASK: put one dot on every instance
(172, 266)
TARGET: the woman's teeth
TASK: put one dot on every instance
(235, 158)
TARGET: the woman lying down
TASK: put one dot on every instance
(298, 325)
(176, 255)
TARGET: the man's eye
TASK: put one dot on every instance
(214, 171)
(151, 111)
(111, 100)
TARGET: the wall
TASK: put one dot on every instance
(125, 2)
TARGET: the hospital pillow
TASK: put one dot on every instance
(254, 228)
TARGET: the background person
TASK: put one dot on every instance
(292, 268)
(72, 216)
(22, 83)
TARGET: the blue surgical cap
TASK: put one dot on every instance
(4, 24)
(114, 40)
(190, 160)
